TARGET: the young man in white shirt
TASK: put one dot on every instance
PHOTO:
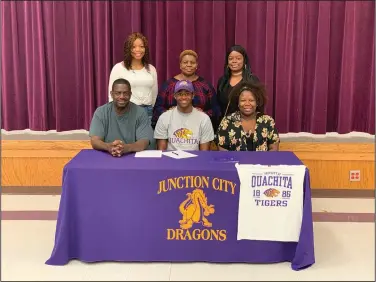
(184, 127)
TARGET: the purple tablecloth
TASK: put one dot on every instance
(126, 209)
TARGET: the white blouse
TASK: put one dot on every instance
(144, 83)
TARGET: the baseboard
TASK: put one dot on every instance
(31, 190)
(343, 193)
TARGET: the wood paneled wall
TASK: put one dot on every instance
(40, 163)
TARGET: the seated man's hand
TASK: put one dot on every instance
(116, 148)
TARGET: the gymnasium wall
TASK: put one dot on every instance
(35, 166)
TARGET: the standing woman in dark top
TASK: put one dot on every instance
(237, 68)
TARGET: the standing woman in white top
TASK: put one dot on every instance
(136, 69)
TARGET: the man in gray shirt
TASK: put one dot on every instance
(184, 127)
(120, 126)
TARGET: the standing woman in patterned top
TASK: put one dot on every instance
(138, 71)
(237, 69)
(205, 98)
(247, 128)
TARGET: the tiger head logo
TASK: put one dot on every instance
(183, 133)
(271, 193)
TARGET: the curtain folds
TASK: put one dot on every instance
(316, 58)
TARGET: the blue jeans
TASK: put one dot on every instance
(149, 111)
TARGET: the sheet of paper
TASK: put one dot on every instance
(149, 154)
(179, 154)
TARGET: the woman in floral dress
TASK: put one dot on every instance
(247, 128)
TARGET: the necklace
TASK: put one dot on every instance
(237, 73)
(248, 134)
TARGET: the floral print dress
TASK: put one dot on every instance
(231, 135)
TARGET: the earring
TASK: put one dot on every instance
(245, 66)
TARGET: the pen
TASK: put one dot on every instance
(175, 153)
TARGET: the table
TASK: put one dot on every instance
(132, 209)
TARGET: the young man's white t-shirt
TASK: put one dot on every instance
(184, 131)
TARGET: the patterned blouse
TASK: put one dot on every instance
(232, 137)
(205, 98)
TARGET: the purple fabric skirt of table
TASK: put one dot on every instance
(164, 209)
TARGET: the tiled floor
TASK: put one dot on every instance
(344, 250)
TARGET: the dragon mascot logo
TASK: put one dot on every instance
(195, 217)
(195, 209)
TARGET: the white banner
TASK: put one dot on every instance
(270, 202)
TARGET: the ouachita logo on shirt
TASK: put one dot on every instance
(183, 136)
